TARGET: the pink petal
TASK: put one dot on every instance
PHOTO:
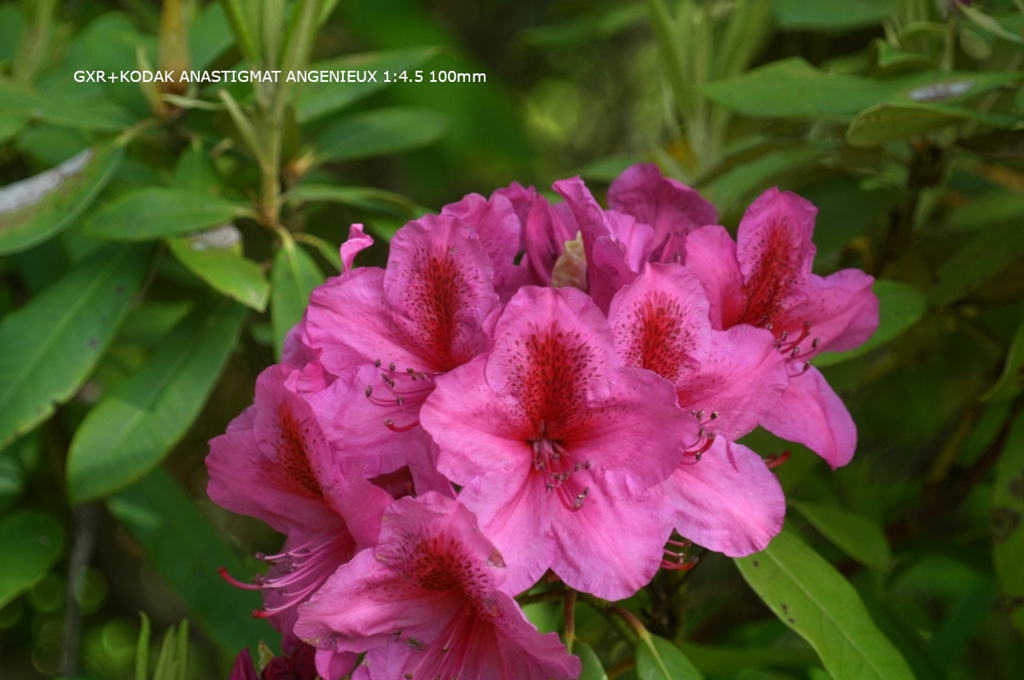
(357, 242)
(439, 284)
(660, 322)
(350, 322)
(741, 379)
(546, 233)
(612, 565)
(332, 665)
(775, 252)
(711, 256)
(728, 501)
(671, 208)
(501, 230)
(811, 413)
(842, 311)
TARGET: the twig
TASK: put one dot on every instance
(85, 541)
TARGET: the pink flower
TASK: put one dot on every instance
(556, 443)
(388, 333)
(764, 280)
(425, 604)
(275, 464)
(722, 495)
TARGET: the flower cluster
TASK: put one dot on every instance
(527, 388)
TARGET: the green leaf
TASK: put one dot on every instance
(792, 88)
(209, 35)
(731, 660)
(324, 98)
(364, 198)
(592, 668)
(130, 431)
(83, 113)
(244, 18)
(1011, 382)
(36, 208)
(186, 551)
(831, 15)
(812, 598)
(990, 24)
(845, 211)
(381, 131)
(750, 178)
(900, 306)
(295, 276)
(31, 543)
(858, 537)
(985, 210)
(659, 659)
(53, 342)
(962, 622)
(194, 172)
(142, 649)
(890, 121)
(328, 251)
(153, 212)
(1007, 532)
(977, 262)
(225, 269)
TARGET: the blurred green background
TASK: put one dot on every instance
(172, 234)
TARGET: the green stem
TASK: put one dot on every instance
(622, 621)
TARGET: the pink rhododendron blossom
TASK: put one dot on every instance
(556, 443)
(722, 495)
(425, 604)
(389, 333)
(672, 209)
(764, 279)
(274, 463)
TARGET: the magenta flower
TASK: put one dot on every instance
(764, 280)
(722, 495)
(556, 443)
(274, 463)
(425, 604)
(388, 333)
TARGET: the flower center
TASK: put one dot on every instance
(297, 573)
(561, 471)
(402, 391)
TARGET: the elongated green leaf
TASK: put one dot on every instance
(186, 551)
(365, 198)
(592, 668)
(845, 211)
(225, 269)
(295, 276)
(153, 212)
(82, 113)
(209, 35)
(984, 210)
(812, 598)
(381, 131)
(1007, 532)
(329, 251)
(142, 650)
(749, 179)
(990, 24)
(977, 262)
(889, 122)
(900, 306)
(792, 88)
(731, 660)
(130, 431)
(962, 622)
(1011, 381)
(194, 172)
(831, 15)
(52, 343)
(32, 543)
(244, 18)
(327, 96)
(858, 537)
(36, 208)
(659, 659)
